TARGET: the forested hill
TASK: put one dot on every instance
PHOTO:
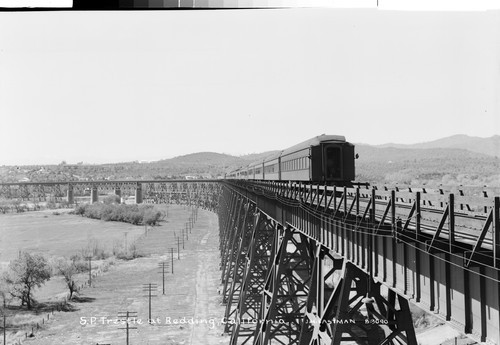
(426, 166)
(488, 146)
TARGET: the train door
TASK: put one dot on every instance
(333, 162)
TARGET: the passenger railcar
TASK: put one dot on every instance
(324, 159)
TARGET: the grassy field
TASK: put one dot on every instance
(190, 293)
(44, 232)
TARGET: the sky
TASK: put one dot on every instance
(122, 86)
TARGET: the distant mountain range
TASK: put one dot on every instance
(488, 146)
(458, 159)
(455, 160)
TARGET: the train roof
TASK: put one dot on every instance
(313, 142)
(305, 144)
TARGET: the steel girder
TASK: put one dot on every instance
(286, 289)
(234, 283)
(366, 315)
(5, 191)
(24, 192)
(239, 225)
(228, 242)
(203, 194)
(321, 302)
(257, 264)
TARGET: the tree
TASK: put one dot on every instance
(151, 216)
(25, 274)
(68, 269)
(80, 209)
(111, 199)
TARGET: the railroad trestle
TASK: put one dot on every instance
(305, 264)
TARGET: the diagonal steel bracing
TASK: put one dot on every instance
(229, 234)
(233, 286)
(232, 249)
(257, 263)
(286, 289)
(321, 300)
(366, 315)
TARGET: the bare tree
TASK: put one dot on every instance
(68, 269)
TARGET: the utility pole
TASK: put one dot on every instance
(182, 238)
(128, 315)
(90, 269)
(172, 256)
(149, 288)
(178, 248)
(163, 265)
(4, 323)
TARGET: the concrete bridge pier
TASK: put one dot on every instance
(69, 195)
(118, 193)
(94, 196)
(138, 193)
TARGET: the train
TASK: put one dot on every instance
(325, 159)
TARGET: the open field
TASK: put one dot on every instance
(190, 293)
(44, 232)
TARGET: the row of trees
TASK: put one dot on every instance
(133, 214)
(18, 206)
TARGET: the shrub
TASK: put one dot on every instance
(133, 214)
(111, 199)
(80, 209)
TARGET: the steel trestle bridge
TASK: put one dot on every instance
(303, 263)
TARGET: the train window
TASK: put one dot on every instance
(333, 157)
